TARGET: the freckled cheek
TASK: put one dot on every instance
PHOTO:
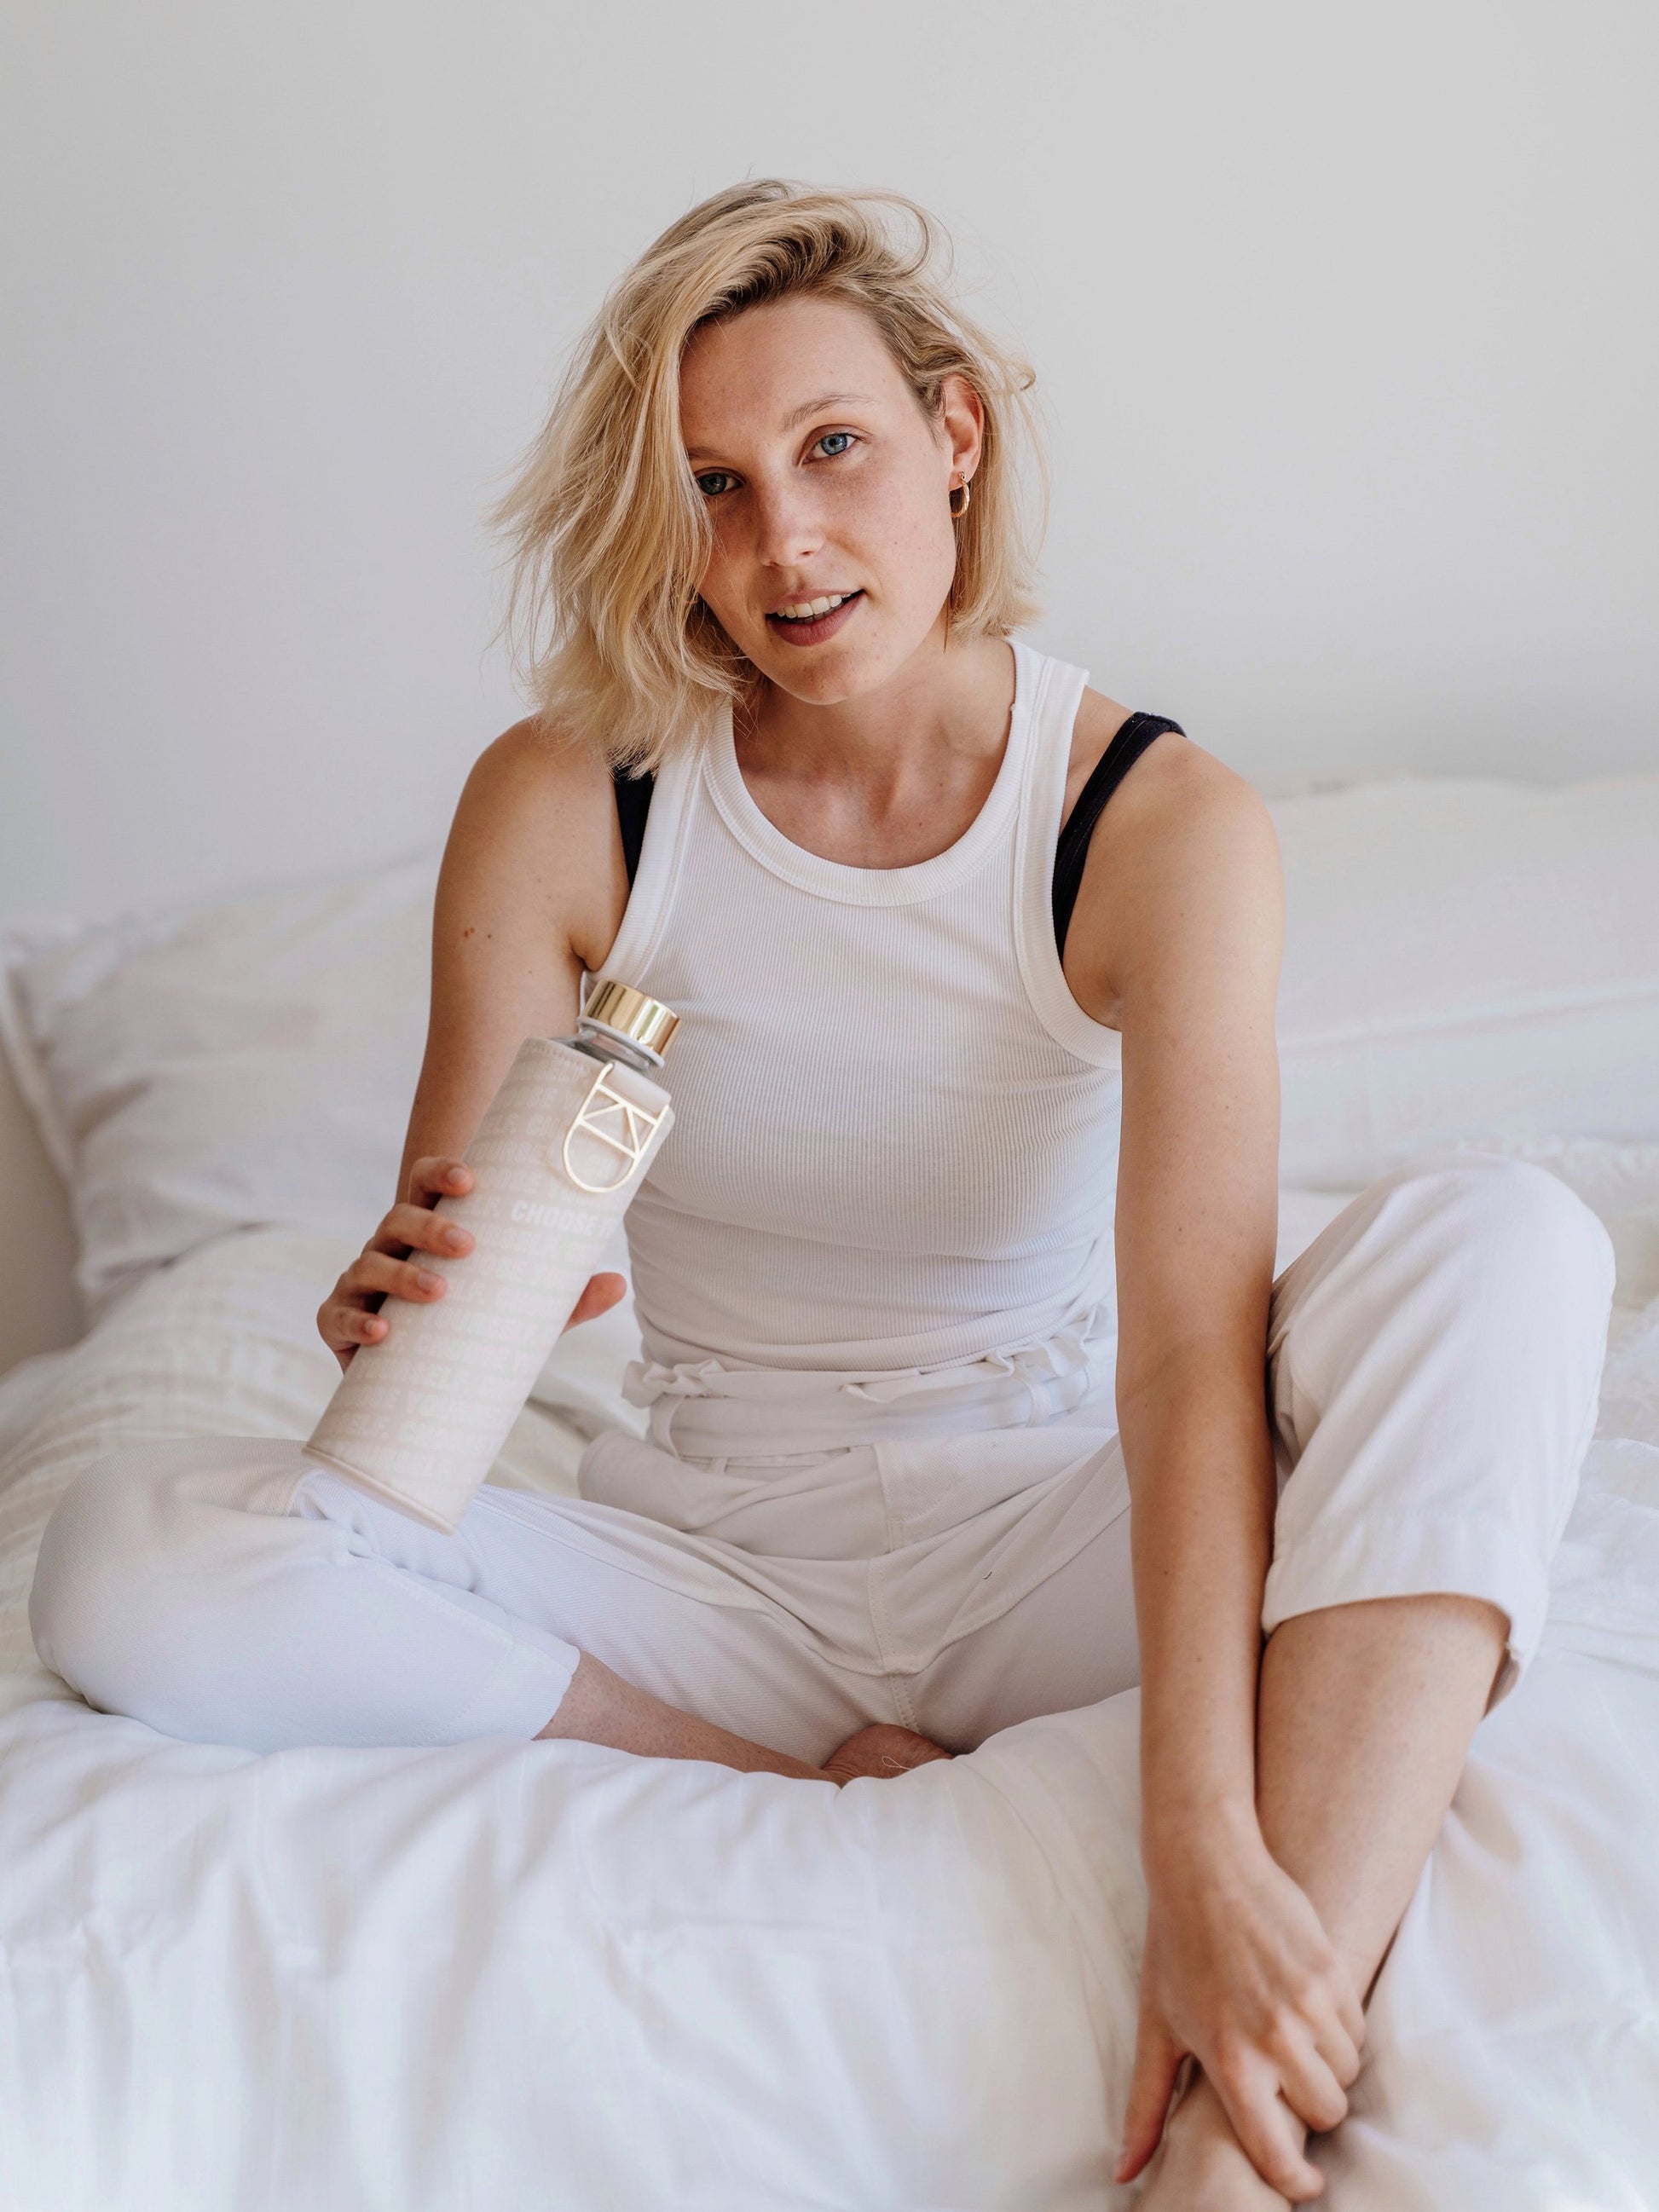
(906, 561)
(877, 540)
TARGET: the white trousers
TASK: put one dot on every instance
(792, 1554)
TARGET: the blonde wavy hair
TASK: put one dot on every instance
(608, 533)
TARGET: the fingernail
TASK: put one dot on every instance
(426, 1279)
(455, 1238)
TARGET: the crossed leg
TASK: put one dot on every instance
(1364, 1721)
(1434, 1361)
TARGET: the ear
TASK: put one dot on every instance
(962, 421)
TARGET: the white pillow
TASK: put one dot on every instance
(1466, 959)
(218, 1066)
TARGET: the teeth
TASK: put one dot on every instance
(809, 610)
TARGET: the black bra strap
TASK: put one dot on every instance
(633, 803)
(1108, 771)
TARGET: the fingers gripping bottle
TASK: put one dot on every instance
(419, 1417)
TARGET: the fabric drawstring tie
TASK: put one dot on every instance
(702, 1408)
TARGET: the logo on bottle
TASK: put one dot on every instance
(621, 1123)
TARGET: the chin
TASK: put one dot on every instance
(836, 677)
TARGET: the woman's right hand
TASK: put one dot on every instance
(387, 1267)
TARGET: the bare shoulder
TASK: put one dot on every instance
(531, 765)
(536, 829)
(1185, 854)
(1180, 800)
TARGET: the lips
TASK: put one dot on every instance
(820, 627)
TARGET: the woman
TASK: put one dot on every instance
(929, 1452)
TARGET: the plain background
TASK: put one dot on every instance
(1344, 319)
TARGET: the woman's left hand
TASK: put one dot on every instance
(1238, 1969)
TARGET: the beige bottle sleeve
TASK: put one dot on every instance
(419, 1417)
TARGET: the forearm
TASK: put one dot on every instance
(1201, 1466)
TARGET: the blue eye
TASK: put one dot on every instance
(711, 482)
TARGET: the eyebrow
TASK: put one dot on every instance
(800, 414)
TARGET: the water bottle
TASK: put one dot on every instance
(419, 1417)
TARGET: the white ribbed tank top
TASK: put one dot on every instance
(895, 1131)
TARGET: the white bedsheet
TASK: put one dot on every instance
(505, 1975)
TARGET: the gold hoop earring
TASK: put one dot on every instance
(957, 512)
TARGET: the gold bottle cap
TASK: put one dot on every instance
(628, 1013)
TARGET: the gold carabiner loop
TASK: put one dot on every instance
(638, 1126)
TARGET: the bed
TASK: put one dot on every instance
(513, 1975)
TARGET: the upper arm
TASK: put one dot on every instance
(531, 891)
(1183, 934)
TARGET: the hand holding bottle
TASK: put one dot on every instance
(562, 1144)
(387, 1266)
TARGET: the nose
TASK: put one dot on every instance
(788, 526)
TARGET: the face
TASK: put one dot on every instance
(822, 477)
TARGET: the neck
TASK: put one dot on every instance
(940, 714)
(893, 775)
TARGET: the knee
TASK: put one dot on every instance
(110, 1542)
(141, 1565)
(1512, 1221)
(1452, 1257)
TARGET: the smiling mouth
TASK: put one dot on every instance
(804, 627)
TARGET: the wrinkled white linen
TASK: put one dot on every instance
(428, 1980)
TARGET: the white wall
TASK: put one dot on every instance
(1346, 317)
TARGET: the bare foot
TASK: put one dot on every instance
(1201, 2166)
(881, 1751)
